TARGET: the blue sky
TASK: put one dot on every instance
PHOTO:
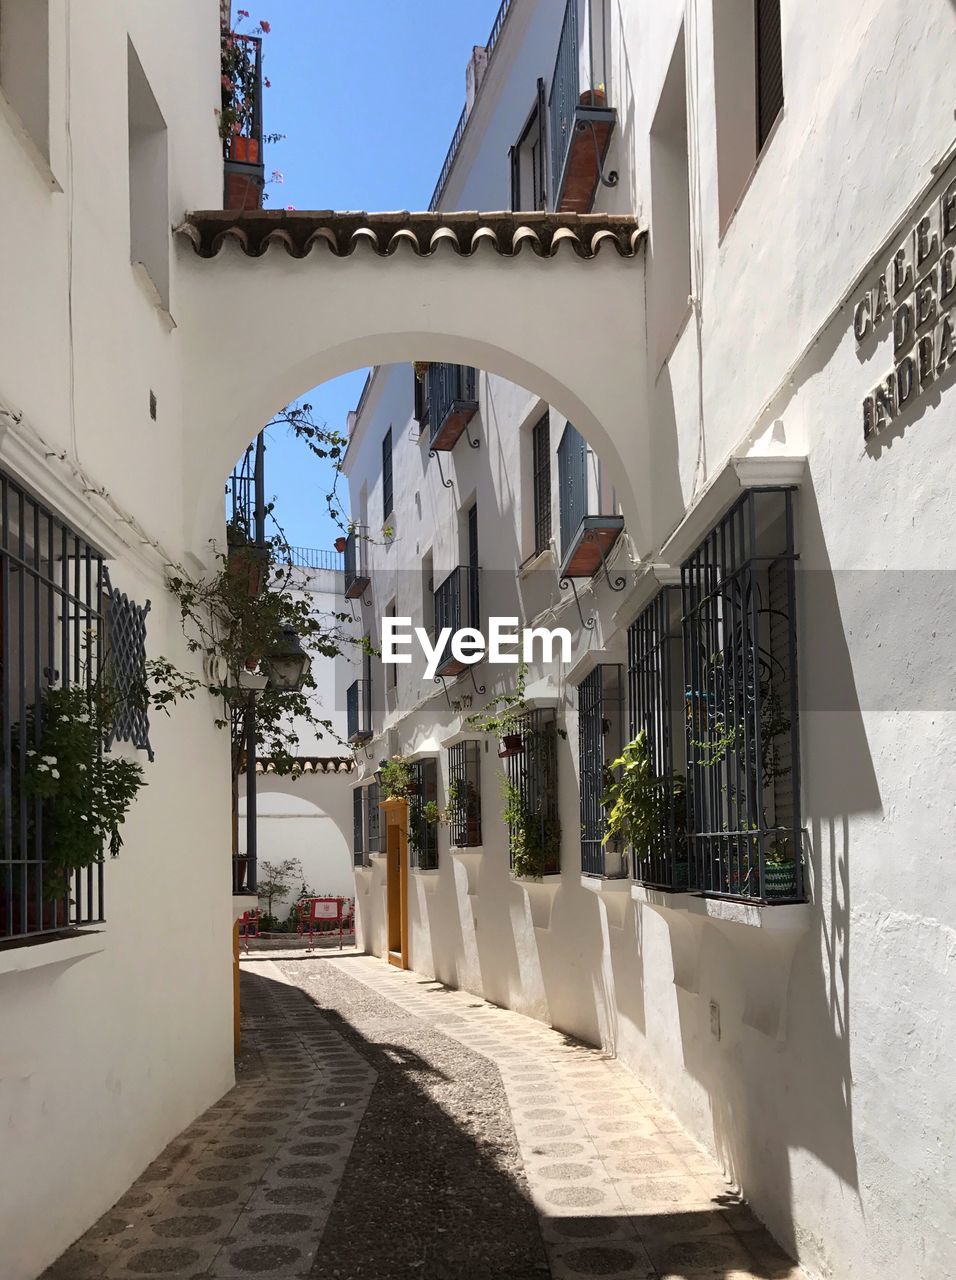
(368, 93)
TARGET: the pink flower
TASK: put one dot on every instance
(228, 84)
(267, 82)
(277, 176)
(243, 13)
(266, 27)
(290, 208)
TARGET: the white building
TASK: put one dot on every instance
(798, 184)
(720, 325)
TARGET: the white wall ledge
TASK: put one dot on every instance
(57, 951)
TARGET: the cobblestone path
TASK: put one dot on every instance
(386, 1128)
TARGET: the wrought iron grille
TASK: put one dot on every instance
(388, 503)
(422, 833)
(464, 794)
(358, 826)
(655, 701)
(572, 484)
(600, 730)
(373, 819)
(457, 601)
(358, 710)
(449, 386)
(541, 472)
(241, 495)
(51, 584)
(740, 665)
(534, 827)
(355, 560)
(564, 93)
(313, 558)
(126, 665)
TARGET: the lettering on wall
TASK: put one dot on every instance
(915, 299)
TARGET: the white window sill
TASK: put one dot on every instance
(58, 951)
(33, 153)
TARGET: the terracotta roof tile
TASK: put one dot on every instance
(423, 234)
(310, 764)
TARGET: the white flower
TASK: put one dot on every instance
(64, 719)
(43, 768)
(81, 768)
(54, 773)
(31, 753)
(83, 719)
(50, 759)
(83, 817)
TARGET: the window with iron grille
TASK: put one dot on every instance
(464, 794)
(572, 484)
(358, 827)
(373, 819)
(534, 827)
(51, 622)
(423, 833)
(529, 160)
(541, 482)
(126, 665)
(769, 67)
(600, 732)
(563, 98)
(739, 630)
(655, 707)
(387, 502)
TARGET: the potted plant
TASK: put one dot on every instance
(507, 719)
(340, 543)
(395, 778)
(780, 871)
(639, 804)
(247, 564)
(596, 97)
(421, 368)
(535, 836)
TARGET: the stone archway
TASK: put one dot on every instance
(276, 303)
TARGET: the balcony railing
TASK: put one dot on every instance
(457, 605)
(314, 558)
(452, 403)
(358, 711)
(586, 540)
(581, 122)
(241, 121)
(600, 731)
(356, 562)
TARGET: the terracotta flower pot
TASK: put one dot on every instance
(340, 543)
(245, 150)
(593, 98)
(511, 745)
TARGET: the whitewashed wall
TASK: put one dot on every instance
(112, 1045)
(830, 1115)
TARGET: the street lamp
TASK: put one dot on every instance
(287, 665)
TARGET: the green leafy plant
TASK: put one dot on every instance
(84, 793)
(505, 714)
(640, 803)
(275, 881)
(395, 777)
(535, 836)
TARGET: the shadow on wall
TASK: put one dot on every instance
(770, 1096)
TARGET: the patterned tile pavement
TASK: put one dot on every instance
(619, 1189)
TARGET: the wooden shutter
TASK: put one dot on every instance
(769, 67)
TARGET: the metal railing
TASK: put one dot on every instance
(600, 715)
(241, 118)
(655, 701)
(534, 829)
(565, 91)
(449, 385)
(51, 625)
(355, 562)
(457, 602)
(464, 794)
(373, 819)
(358, 710)
(459, 133)
(572, 485)
(739, 633)
(314, 558)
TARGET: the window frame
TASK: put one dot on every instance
(541, 482)
(388, 494)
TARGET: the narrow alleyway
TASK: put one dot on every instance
(384, 1127)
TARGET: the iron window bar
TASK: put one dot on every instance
(464, 794)
(126, 665)
(373, 819)
(457, 605)
(452, 403)
(655, 704)
(541, 472)
(534, 834)
(563, 98)
(51, 625)
(422, 834)
(358, 711)
(600, 725)
(358, 827)
(742, 719)
(355, 562)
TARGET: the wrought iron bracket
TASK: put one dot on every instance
(606, 179)
(434, 453)
(476, 443)
(587, 623)
(443, 681)
(444, 688)
(479, 688)
(617, 584)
